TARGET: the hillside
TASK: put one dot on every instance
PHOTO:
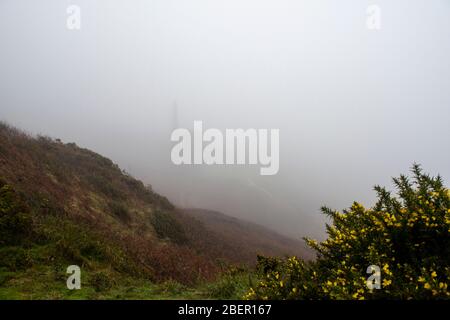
(63, 205)
(247, 239)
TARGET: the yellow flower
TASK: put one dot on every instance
(427, 286)
(386, 282)
(433, 274)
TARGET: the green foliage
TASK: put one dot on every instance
(407, 236)
(15, 218)
(167, 227)
(5, 276)
(231, 284)
(224, 288)
(15, 258)
(103, 184)
(120, 210)
(171, 287)
(74, 242)
(102, 281)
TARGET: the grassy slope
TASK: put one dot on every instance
(62, 205)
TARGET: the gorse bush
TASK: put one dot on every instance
(407, 236)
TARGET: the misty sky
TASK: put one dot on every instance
(354, 106)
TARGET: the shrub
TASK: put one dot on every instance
(15, 258)
(101, 182)
(120, 211)
(232, 284)
(69, 251)
(166, 226)
(224, 288)
(102, 281)
(407, 236)
(5, 277)
(15, 218)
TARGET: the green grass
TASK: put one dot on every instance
(46, 283)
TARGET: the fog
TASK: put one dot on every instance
(354, 106)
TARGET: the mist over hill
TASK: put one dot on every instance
(354, 106)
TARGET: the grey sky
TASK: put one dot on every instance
(354, 106)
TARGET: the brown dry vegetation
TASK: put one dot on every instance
(238, 240)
